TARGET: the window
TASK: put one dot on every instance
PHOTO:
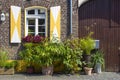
(36, 22)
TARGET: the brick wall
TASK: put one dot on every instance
(13, 49)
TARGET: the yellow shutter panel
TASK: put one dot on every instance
(55, 27)
(15, 22)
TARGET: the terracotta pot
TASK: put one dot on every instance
(47, 70)
(88, 71)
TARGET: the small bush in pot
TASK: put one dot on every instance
(72, 55)
(11, 64)
(98, 60)
(28, 53)
(87, 45)
(88, 68)
(47, 52)
(3, 58)
(5, 66)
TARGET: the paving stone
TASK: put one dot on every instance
(102, 76)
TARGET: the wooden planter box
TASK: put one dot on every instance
(4, 71)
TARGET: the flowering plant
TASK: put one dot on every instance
(33, 39)
(28, 52)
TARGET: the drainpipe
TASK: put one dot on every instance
(80, 2)
(71, 17)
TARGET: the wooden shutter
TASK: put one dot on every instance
(55, 16)
(15, 21)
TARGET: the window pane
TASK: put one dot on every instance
(31, 28)
(31, 12)
(41, 34)
(31, 33)
(34, 27)
(41, 29)
(41, 11)
(41, 21)
(31, 22)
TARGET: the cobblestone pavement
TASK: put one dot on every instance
(102, 76)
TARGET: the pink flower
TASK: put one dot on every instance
(33, 39)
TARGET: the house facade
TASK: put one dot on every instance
(36, 17)
(46, 17)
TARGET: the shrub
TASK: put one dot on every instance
(28, 52)
(72, 55)
(98, 57)
(12, 64)
(3, 57)
(87, 44)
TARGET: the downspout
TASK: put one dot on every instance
(80, 2)
(71, 17)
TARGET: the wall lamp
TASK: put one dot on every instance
(2, 16)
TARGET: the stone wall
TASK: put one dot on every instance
(13, 49)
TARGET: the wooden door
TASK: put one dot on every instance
(112, 49)
(103, 18)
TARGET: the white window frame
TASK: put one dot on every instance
(36, 16)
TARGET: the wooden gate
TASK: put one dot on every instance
(112, 49)
(103, 18)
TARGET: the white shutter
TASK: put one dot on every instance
(15, 21)
(55, 28)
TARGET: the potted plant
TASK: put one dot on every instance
(5, 66)
(9, 67)
(46, 59)
(98, 59)
(47, 52)
(87, 45)
(88, 68)
(3, 59)
(72, 55)
(27, 55)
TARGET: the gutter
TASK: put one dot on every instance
(71, 17)
(80, 2)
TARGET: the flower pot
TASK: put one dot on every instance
(98, 68)
(9, 71)
(86, 58)
(47, 70)
(30, 70)
(88, 71)
(5, 71)
(1, 70)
